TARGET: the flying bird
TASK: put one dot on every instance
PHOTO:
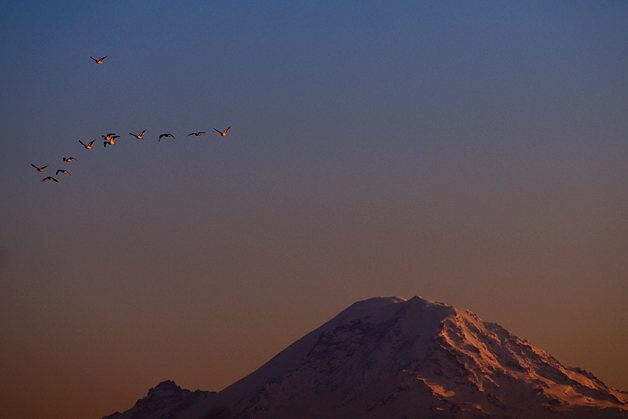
(196, 134)
(110, 138)
(49, 178)
(98, 61)
(63, 171)
(87, 146)
(166, 135)
(139, 135)
(39, 169)
(224, 132)
(68, 159)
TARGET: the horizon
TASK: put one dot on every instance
(474, 153)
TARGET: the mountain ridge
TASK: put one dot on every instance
(388, 357)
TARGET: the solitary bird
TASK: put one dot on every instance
(49, 178)
(98, 61)
(63, 171)
(196, 134)
(139, 135)
(89, 145)
(224, 132)
(39, 169)
(166, 135)
(68, 159)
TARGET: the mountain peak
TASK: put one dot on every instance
(393, 357)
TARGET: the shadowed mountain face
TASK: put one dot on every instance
(396, 358)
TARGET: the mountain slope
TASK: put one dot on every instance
(392, 358)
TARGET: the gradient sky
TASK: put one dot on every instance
(474, 153)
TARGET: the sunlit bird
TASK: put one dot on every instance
(165, 135)
(139, 135)
(87, 146)
(110, 138)
(196, 134)
(224, 132)
(63, 171)
(49, 178)
(98, 61)
(69, 159)
(39, 169)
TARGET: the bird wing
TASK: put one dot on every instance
(82, 143)
(142, 132)
(34, 166)
(93, 58)
(102, 58)
(227, 129)
(218, 131)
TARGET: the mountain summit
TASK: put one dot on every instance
(396, 358)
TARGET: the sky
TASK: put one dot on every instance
(474, 153)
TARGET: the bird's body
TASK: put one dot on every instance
(165, 135)
(139, 135)
(49, 178)
(99, 60)
(68, 159)
(87, 146)
(196, 134)
(63, 171)
(39, 169)
(224, 132)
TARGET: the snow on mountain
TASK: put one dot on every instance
(396, 358)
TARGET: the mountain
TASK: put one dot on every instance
(396, 358)
(166, 400)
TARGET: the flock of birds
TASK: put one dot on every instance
(110, 139)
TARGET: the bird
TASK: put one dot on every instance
(68, 159)
(49, 178)
(165, 135)
(39, 169)
(196, 134)
(224, 132)
(87, 146)
(110, 138)
(63, 171)
(139, 135)
(98, 61)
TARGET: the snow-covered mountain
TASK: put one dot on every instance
(395, 358)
